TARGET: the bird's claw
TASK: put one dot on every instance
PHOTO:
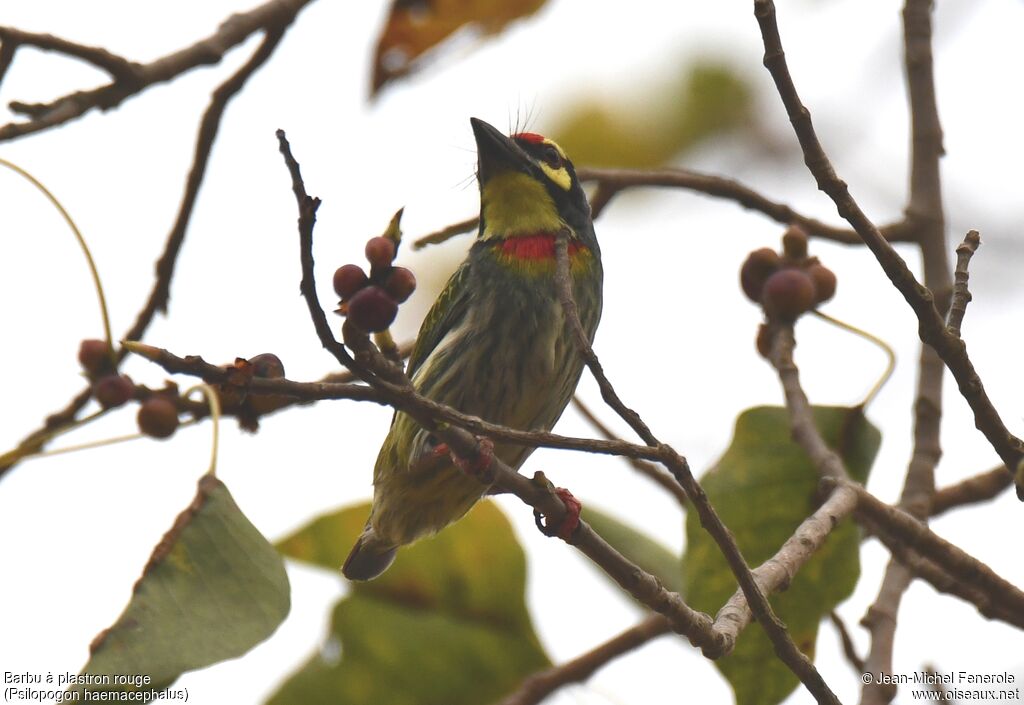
(570, 520)
(478, 467)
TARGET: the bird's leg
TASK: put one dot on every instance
(570, 519)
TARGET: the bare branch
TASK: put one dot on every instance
(648, 470)
(979, 488)
(786, 650)
(540, 685)
(825, 460)
(612, 181)
(961, 294)
(118, 67)
(932, 328)
(899, 530)
(160, 293)
(849, 648)
(925, 212)
(132, 79)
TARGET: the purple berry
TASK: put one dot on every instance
(400, 284)
(348, 279)
(372, 309)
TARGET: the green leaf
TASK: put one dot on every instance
(447, 623)
(664, 120)
(763, 488)
(213, 588)
(638, 547)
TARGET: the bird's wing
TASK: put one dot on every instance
(444, 315)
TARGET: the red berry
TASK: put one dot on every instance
(158, 417)
(267, 365)
(95, 356)
(788, 293)
(400, 284)
(372, 309)
(794, 243)
(113, 390)
(759, 265)
(824, 282)
(380, 251)
(348, 279)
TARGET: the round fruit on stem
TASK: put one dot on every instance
(348, 279)
(759, 265)
(113, 390)
(824, 282)
(380, 251)
(158, 417)
(372, 309)
(400, 284)
(788, 293)
(94, 356)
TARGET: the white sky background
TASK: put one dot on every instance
(76, 530)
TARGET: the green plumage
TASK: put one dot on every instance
(494, 345)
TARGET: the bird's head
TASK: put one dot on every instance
(527, 185)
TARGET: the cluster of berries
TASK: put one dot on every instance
(158, 412)
(787, 284)
(371, 302)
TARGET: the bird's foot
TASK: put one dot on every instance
(478, 467)
(571, 517)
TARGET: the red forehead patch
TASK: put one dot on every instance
(529, 137)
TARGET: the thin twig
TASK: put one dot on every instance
(612, 181)
(899, 530)
(979, 488)
(762, 610)
(160, 293)
(776, 573)
(387, 393)
(446, 233)
(931, 329)
(988, 603)
(849, 648)
(648, 470)
(272, 16)
(961, 294)
(925, 212)
(801, 417)
(538, 686)
(118, 67)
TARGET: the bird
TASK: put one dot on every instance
(495, 344)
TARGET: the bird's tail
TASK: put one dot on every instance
(370, 557)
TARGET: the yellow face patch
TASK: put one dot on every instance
(558, 175)
(514, 203)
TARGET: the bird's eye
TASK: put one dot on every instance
(551, 157)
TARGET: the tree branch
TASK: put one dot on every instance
(786, 650)
(961, 294)
(932, 328)
(131, 78)
(900, 531)
(612, 181)
(979, 488)
(543, 683)
(648, 470)
(160, 293)
(118, 67)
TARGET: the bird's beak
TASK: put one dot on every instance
(496, 153)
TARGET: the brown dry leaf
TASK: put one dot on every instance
(415, 26)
